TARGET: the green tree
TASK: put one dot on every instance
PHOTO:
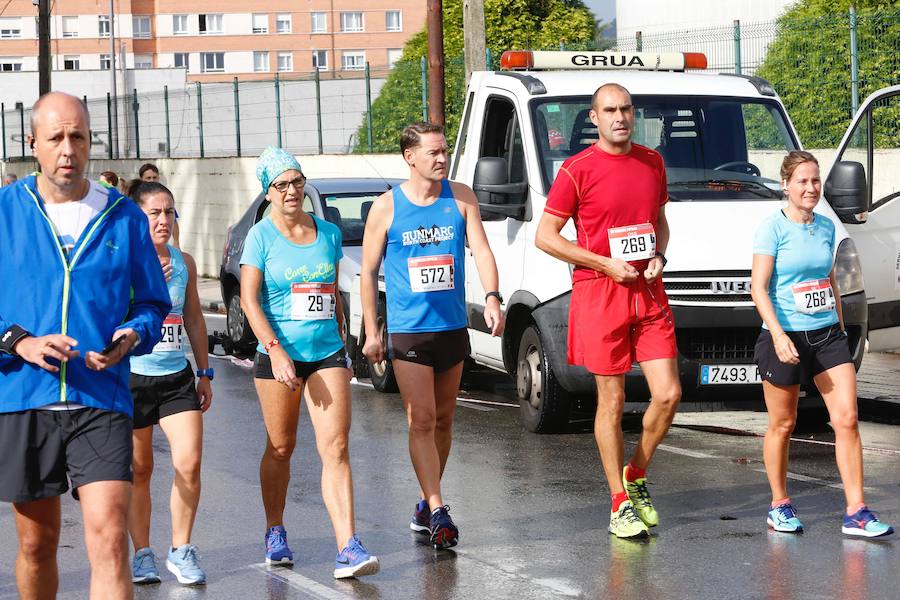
(809, 63)
(509, 24)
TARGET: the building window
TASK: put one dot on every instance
(10, 64)
(212, 62)
(283, 23)
(393, 21)
(320, 60)
(10, 28)
(353, 60)
(260, 62)
(180, 24)
(319, 22)
(105, 62)
(103, 25)
(351, 21)
(70, 27)
(71, 63)
(183, 61)
(143, 61)
(260, 23)
(285, 61)
(211, 24)
(141, 27)
(394, 55)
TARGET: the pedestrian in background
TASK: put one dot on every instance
(795, 290)
(81, 255)
(165, 394)
(9, 179)
(109, 178)
(149, 173)
(289, 275)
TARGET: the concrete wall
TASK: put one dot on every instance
(213, 193)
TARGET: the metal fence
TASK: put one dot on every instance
(821, 67)
(306, 114)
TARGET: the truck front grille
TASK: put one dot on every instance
(717, 343)
(725, 288)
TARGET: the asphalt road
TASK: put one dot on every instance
(532, 512)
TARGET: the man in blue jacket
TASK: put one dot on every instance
(79, 272)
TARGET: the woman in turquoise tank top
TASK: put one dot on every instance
(794, 287)
(164, 392)
(289, 275)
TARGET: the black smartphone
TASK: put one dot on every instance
(113, 345)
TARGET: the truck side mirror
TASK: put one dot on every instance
(846, 190)
(496, 195)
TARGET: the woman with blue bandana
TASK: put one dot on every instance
(289, 274)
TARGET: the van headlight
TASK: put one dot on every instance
(847, 268)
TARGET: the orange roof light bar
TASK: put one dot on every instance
(630, 61)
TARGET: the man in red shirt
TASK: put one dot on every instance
(615, 191)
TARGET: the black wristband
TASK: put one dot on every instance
(11, 337)
(663, 257)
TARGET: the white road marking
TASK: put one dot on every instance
(488, 402)
(366, 384)
(299, 582)
(808, 479)
(211, 315)
(885, 451)
(557, 586)
(466, 404)
(683, 452)
(356, 381)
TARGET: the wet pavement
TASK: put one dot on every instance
(532, 511)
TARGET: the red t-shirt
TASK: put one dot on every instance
(600, 191)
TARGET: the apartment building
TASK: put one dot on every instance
(215, 40)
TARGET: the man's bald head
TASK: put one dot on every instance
(605, 88)
(55, 101)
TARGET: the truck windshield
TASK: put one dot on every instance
(714, 148)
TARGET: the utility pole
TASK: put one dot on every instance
(436, 61)
(473, 31)
(114, 130)
(43, 46)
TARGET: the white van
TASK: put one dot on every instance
(723, 138)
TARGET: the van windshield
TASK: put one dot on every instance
(714, 148)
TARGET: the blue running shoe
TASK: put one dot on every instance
(143, 567)
(444, 533)
(864, 523)
(184, 563)
(783, 518)
(421, 519)
(354, 560)
(277, 551)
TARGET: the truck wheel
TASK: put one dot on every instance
(543, 404)
(239, 332)
(382, 373)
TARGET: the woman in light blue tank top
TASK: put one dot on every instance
(164, 391)
(794, 287)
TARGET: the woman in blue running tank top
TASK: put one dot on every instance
(163, 388)
(794, 287)
(289, 275)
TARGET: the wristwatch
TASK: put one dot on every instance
(663, 257)
(208, 373)
(495, 295)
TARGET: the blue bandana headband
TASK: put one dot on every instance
(272, 163)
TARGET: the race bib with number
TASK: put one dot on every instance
(431, 273)
(312, 301)
(812, 297)
(632, 242)
(172, 333)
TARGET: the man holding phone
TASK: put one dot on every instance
(84, 289)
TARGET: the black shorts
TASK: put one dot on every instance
(42, 450)
(159, 396)
(819, 350)
(441, 350)
(262, 365)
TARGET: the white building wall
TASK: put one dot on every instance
(657, 16)
(164, 26)
(238, 62)
(237, 24)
